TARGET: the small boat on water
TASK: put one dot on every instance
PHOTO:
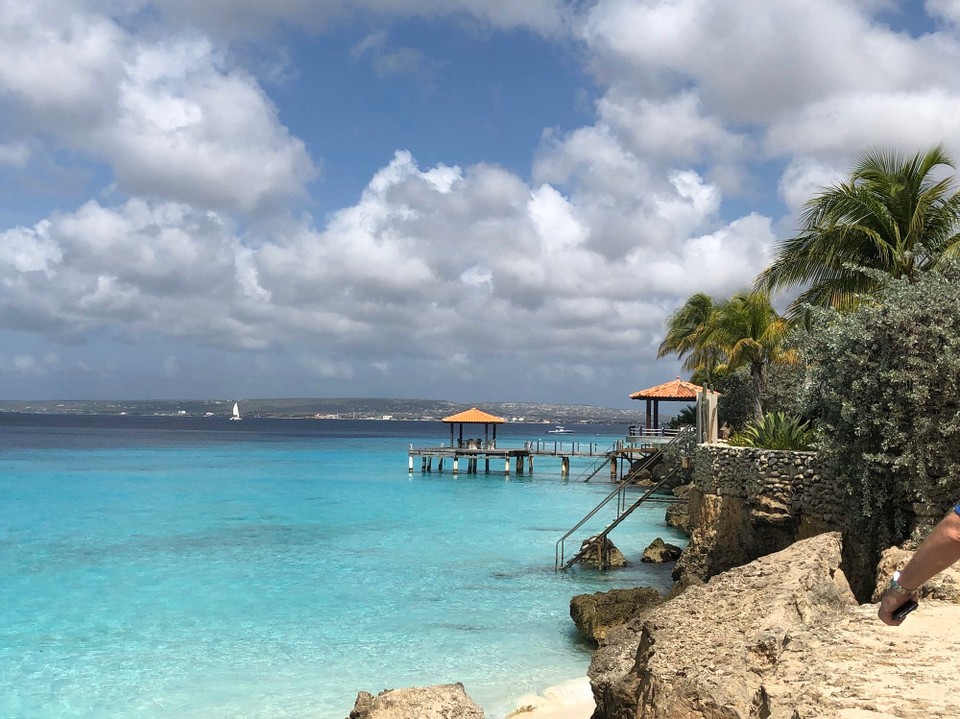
(560, 429)
(235, 417)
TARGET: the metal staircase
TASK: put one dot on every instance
(618, 495)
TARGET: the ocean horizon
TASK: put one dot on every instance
(196, 567)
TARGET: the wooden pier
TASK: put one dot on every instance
(469, 454)
(475, 454)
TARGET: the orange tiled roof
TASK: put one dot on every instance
(676, 389)
(474, 416)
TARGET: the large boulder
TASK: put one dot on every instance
(659, 552)
(443, 701)
(595, 614)
(705, 653)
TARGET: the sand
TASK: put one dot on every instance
(571, 699)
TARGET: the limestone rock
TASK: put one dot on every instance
(659, 552)
(678, 513)
(443, 701)
(602, 556)
(945, 586)
(729, 532)
(595, 614)
(704, 654)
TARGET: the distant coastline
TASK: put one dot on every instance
(423, 410)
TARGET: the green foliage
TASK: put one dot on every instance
(743, 331)
(776, 430)
(895, 215)
(737, 398)
(686, 416)
(885, 390)
(685, 330)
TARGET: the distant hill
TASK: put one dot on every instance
(332, 408)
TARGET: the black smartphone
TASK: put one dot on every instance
(904, 609)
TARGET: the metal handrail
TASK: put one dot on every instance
(621, 503)
(595, 468)
(620, 517)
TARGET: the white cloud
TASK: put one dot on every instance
(14, 154)
(949, 10)
(804, 178)
(754, 60)
(704, 110)
(905, 121)
(27, 365)
(171, 117)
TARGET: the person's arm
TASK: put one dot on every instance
(937, 552)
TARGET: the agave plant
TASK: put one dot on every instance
(776, 430)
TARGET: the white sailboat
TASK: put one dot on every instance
(236, 412)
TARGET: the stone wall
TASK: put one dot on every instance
(784, 481)
(747, 502)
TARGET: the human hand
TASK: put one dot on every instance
(890, 602)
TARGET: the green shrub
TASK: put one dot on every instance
(884, 388)
(776, 431)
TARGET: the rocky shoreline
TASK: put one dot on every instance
(762, 622)
(779, 638)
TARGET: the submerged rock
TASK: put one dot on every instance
(659, 552)
(603, 555)
(595, 614)
(442, 701)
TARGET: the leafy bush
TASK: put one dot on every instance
(776, 431)
(737, 398)
(884, 387)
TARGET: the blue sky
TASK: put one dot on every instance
(455, 199)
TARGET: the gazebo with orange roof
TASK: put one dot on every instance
(474, 416)
(674, 391)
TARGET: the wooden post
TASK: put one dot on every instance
(430, 463)
(530, 463)
(486, 462)
(506, 465)
(440, 465)
(456, 464)
(565, 466)
(613, 469)
(519, 465)
(410, 464)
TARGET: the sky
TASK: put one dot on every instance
(472, 200)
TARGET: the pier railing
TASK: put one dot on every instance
(560, 448)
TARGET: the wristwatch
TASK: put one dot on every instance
(899, 588)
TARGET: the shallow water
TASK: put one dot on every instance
(273, 568)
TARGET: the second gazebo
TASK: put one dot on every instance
(675, 391)
(474, 416)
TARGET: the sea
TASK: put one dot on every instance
(198, 568)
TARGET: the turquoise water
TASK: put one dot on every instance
(180, 568)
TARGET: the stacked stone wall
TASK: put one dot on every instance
(791, 480)
(747, 502)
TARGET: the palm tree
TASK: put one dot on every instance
(685, 328)
(750, 333)
(744, 330)
(894, 217)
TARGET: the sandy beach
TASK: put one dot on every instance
(571, 699)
